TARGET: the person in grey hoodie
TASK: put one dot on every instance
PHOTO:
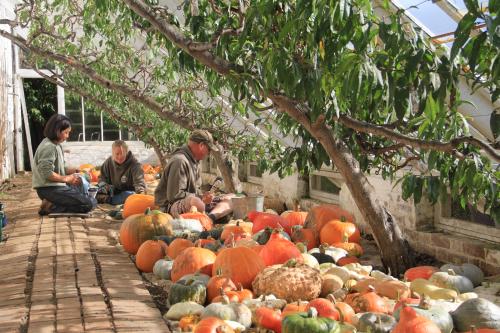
(179, 186)
(55, 183)
(122, 173)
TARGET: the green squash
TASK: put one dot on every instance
(187, 290)
(470, 271)
(437, 314)
(478, 312)
(452, 281)
(376, 322)
(229, 311)
(309, 322)
(162, 268)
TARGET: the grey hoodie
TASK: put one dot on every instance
(180, 178)
(127, 176)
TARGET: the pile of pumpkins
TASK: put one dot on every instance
(296, 272)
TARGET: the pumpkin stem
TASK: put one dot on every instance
(424, 303)
(343, 219)
(296, 205)
(312, 313)
(323, 247)
(147, 211)
(451, 272)
(302, 247)
(291, 263)
(331, 298)
(345, 238)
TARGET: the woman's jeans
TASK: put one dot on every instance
(67, 199)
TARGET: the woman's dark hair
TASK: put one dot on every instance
(55, 125)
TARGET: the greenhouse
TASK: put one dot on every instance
(249, 166)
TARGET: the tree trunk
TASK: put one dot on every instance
(227, 170)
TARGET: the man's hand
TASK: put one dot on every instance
(207, 197)
(73, 179)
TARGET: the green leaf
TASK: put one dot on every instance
(462, 33)
(495, 124)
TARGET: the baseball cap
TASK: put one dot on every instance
(204, 136)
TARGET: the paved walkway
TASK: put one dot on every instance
(67, 275)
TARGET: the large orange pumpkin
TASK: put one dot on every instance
(177, 246)
(137, 203)
(304, 235)
(321, 214)
(205, 221)
(265, 220)
(279, 250)
(138, 228)
(335, 231)
(191, 260)
(240, 264)
(149, 253)
(212, 325)
(292, 218)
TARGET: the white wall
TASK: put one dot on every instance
(95, 152)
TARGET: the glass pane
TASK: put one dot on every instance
(254, 171)
(92, 125)
(429, 15)
(111, 130)
(324, 184)
(74, 112)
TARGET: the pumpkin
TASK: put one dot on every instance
(234, 229)
(278, 251)
(292, 218)
(392, 289)
(205, 221)
(335, 231)
(419, 272)
(353, 249)
(481, 330)
(347, 260)
(252, 215)
(162, 268)
(436, 314)
(212, 325)
(324, 307)
(425, 287)
(478, 312)
(309, 322)
(304, 235)
(218, 282)
(240, 264)
(246, 241)
(346, 312)
(333, 252)
(246, 226)
(470, 271)
(411, 322)
(138, 228)
(268, 318)
(137, 203)
(177, 246)
(268, 220)
(452, 281)
(263, 236)
(368, 301)
(331, 283)
(187, 290)
(268, 301)
(203, 242)
(149, 253)
(225, 295)
(341, 272)
(198, 277)
(86, 167)
(191, 260)
(179, 310)
(229, 311)
(188, 323)
(322, 256)
(307, 258)
(376, 322)
(294, 307)
(186, 225)
(241, 293)
(321, 214)
(302, 281)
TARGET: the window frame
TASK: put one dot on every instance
(336, 178)
(251, 178)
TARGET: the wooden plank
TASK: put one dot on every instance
(81, 215)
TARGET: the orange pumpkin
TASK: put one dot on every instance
(188, 323)
(335, 231)
(279, 250)
(293, 218)
(324, 307)
(212, 325)
(266, 220)
(411, 322)
(292, 308)
(191, 260)
(347, 260)
(205, 221)
(321, 214)
(137, 203)
(216, 283)
(149, 253)
(240, 264)
(234, 229)
(420, 272)
(367, 301)
(86, 167)
(138, 228)
(346, 312)
(177, 246)
(268, 318)
(353, 249)
(304, 235)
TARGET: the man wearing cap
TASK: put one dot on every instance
(178, 189)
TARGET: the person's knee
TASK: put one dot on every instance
(198, 203)
(89, 204)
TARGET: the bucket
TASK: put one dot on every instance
(243, 205)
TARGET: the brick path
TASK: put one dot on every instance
(66, 275)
